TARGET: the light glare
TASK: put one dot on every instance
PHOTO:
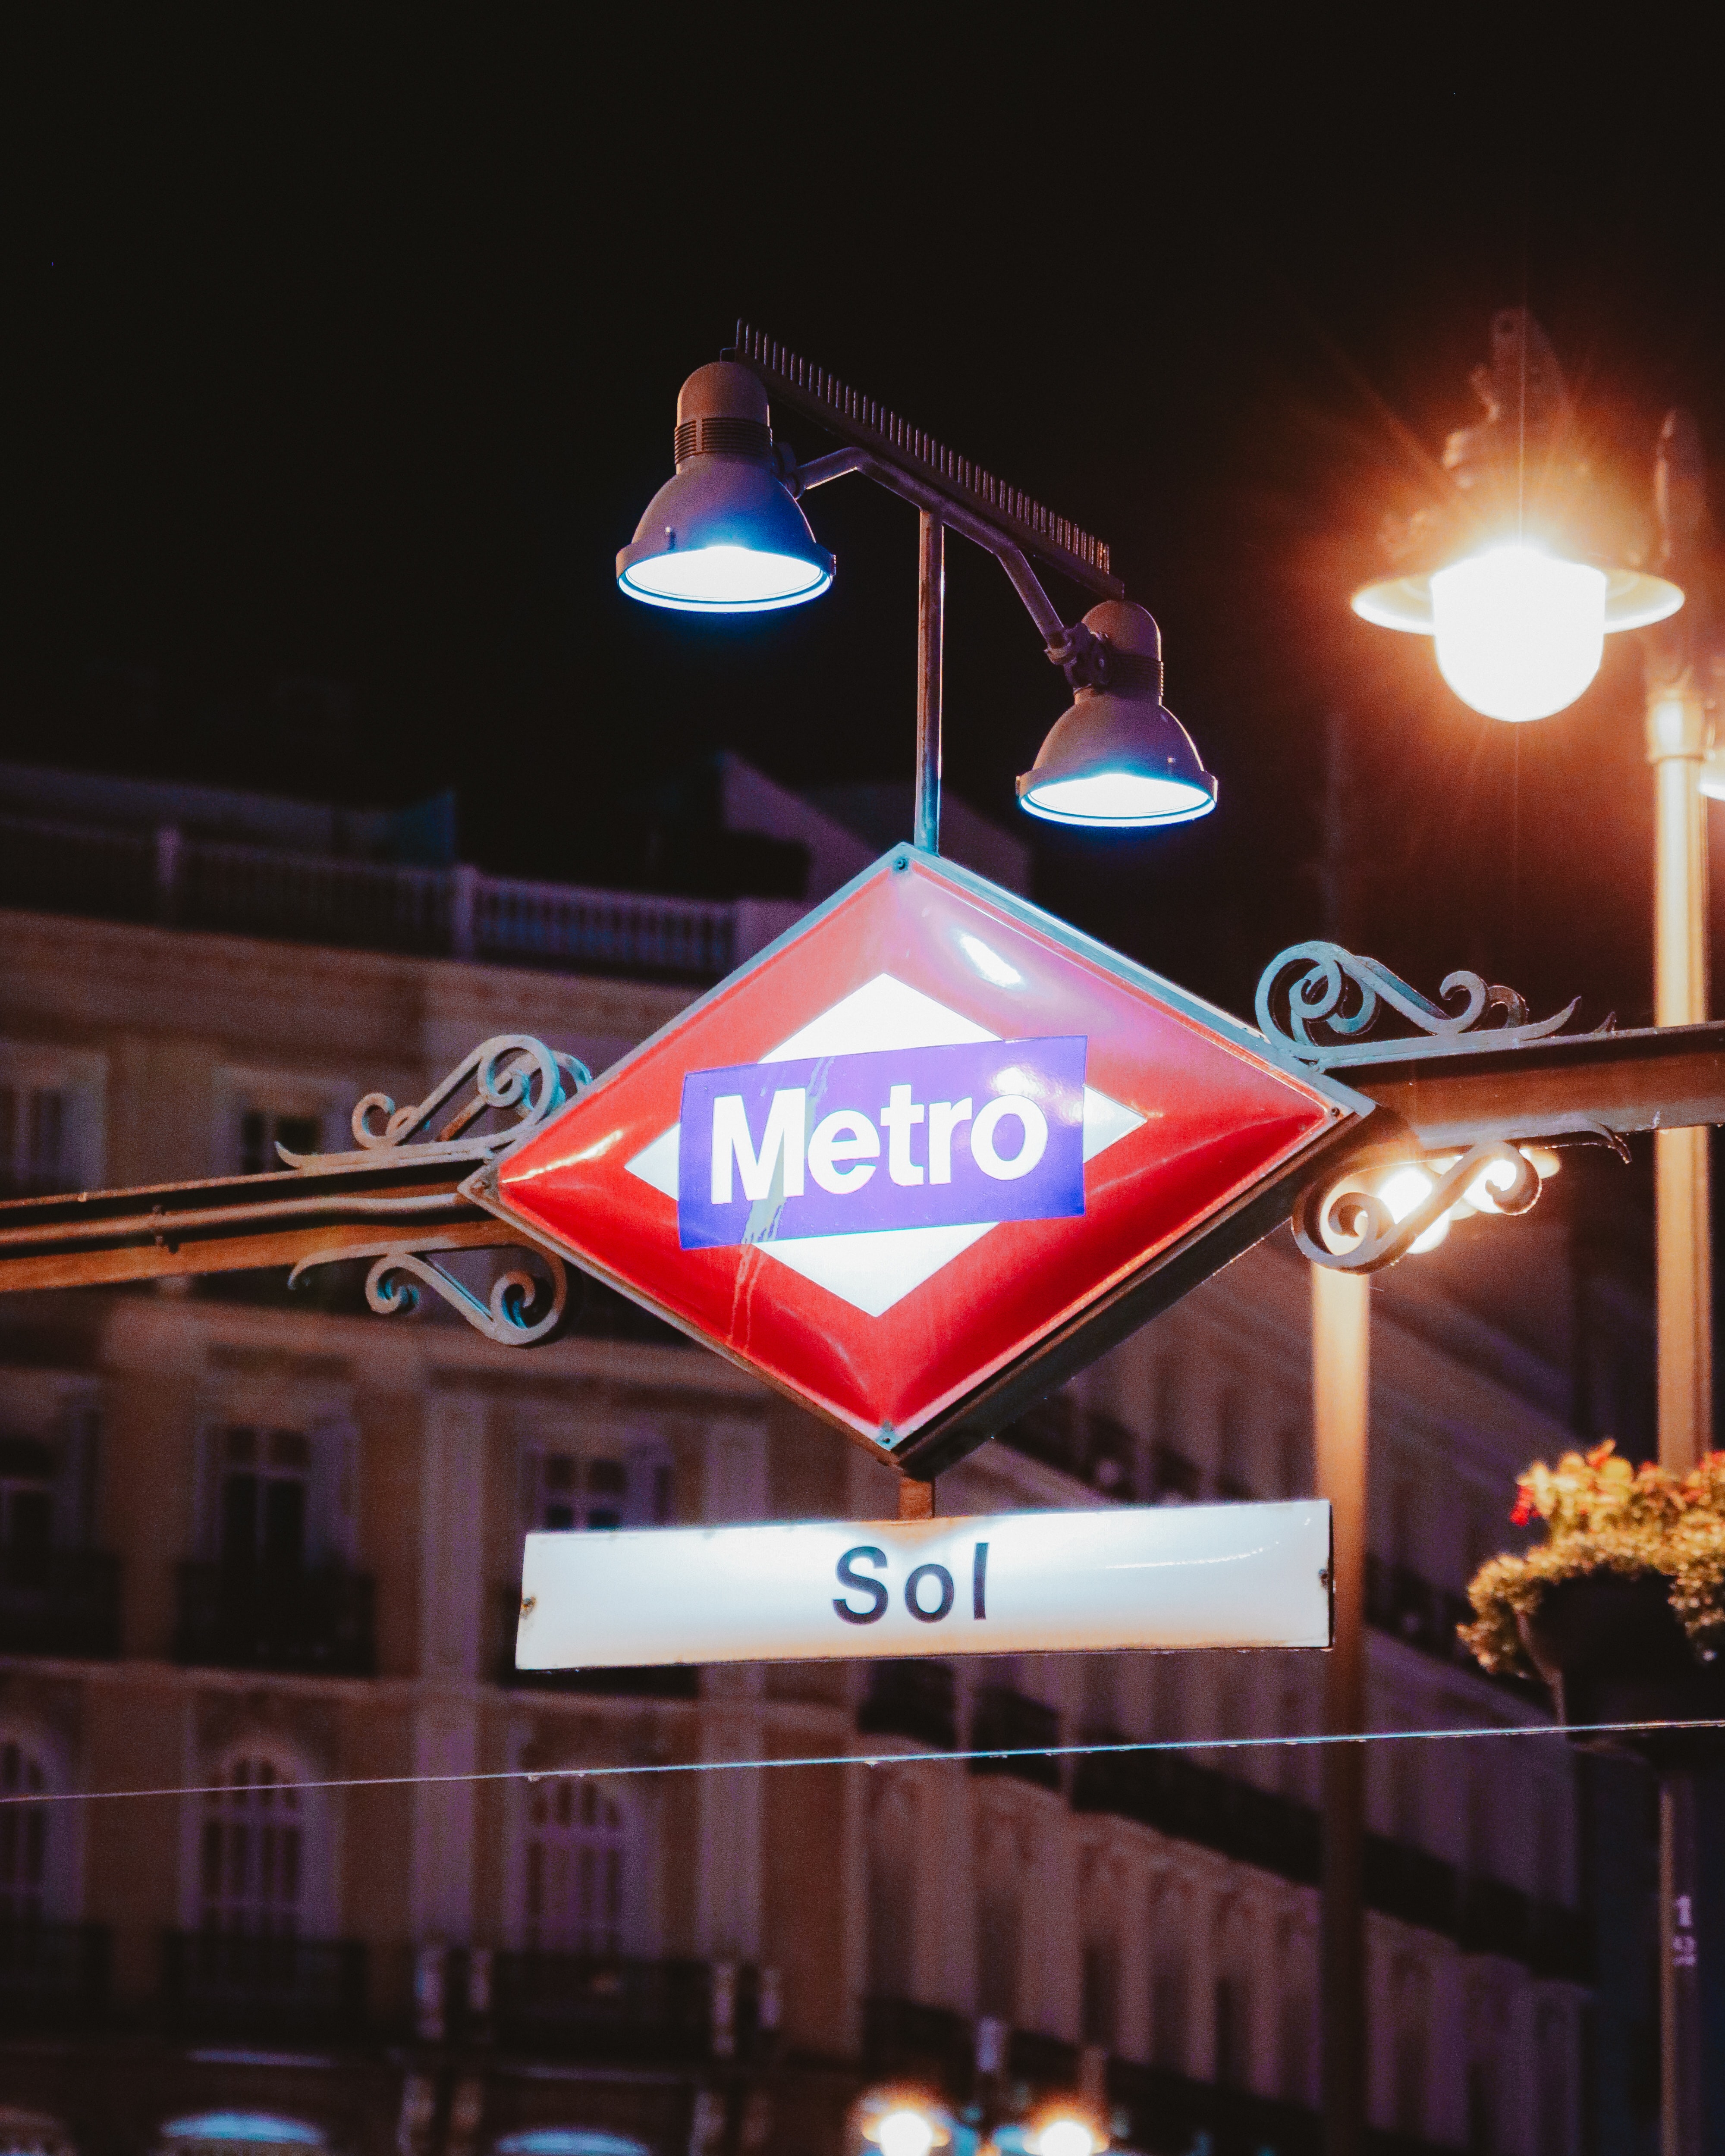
(1404, 1190)
(724, 579)
(906, 2132)
(1066, 2136)
(1118, 797)
(1520, 633)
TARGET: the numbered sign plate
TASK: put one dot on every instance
(922, 1158)
(998, 1584)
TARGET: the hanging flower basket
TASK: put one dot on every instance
(1621, 1610)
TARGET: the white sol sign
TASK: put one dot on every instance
(995, 1584)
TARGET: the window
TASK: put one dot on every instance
(1234, 2031)
(1173, 1478)
(892, 1893)
(23, 1835)
(1167, 1986)
(1411, 1999)
(35, 1124)
(566, 1491)
(999, 1922)
(1100, 2006)
(578, 1858)
(27, 1491)
(50, 1121)
(265, 1475)
(252, 1851)
(1232, 1448)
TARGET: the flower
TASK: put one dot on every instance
(1600, 1514)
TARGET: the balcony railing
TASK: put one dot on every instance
(229, 1983)
(52, 1974)
(904, 2041)
(1196, 1803)
(1280, 1834)
(1090, 1447)
(617, 2008)
(1004, 1718)
(59, 1602)
(917, 1700)
(317, 1621)
(166, 877)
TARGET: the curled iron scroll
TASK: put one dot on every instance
(1331, 999)
(520, 1310)
(1325, 1208)
(512, 1074)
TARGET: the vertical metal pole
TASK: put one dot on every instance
(1341, 1390)
(1677, 742)
(931, 629)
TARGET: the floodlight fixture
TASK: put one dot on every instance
(1526, 566)
(726, 534)
(1118, 758)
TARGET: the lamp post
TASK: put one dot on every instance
(726, 534)
(1519, 578)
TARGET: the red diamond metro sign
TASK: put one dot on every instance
(923, 1157)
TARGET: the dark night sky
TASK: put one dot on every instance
(353, 355)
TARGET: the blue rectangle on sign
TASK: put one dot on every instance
(913, 1138)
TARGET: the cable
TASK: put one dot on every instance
(883, 1759)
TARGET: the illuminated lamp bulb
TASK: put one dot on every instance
(906, 2133)
(1404, 1190)
(1520, 633)
(1066, 2136)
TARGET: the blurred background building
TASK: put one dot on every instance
(251, 1540)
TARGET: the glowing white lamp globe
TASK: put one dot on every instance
(1520, 633)
(1402, 1191)
(1066, 2136)
(1520, 629)
(906, 2133)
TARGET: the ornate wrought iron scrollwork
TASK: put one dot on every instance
(506, 1317)
(524, 1084)
(1315, 1000)
(1326, 1207)
(512, 1075)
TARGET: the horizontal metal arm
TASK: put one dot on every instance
(1670, 1077)
(954, 514)
(239, 1223)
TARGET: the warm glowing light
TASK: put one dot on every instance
(1404, 1190)
(907, 2132)
(724, 580)
(1520, 633)
(1125, 798)
(1066, 2136)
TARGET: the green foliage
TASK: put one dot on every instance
(1602, 1515)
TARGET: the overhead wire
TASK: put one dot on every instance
(619, 1769)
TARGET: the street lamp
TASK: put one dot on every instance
(1520, 576)
(726, 535)
(1522, 571)
(905, 2121)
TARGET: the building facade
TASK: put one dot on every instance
(262, 1549)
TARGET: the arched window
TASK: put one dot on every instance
(23, 1835)
(252, 1850)
(578, 1869)
(1168, 1981)
(999, 1921)
(892, 1892)
(1106, 1893)
(1411, 2006)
